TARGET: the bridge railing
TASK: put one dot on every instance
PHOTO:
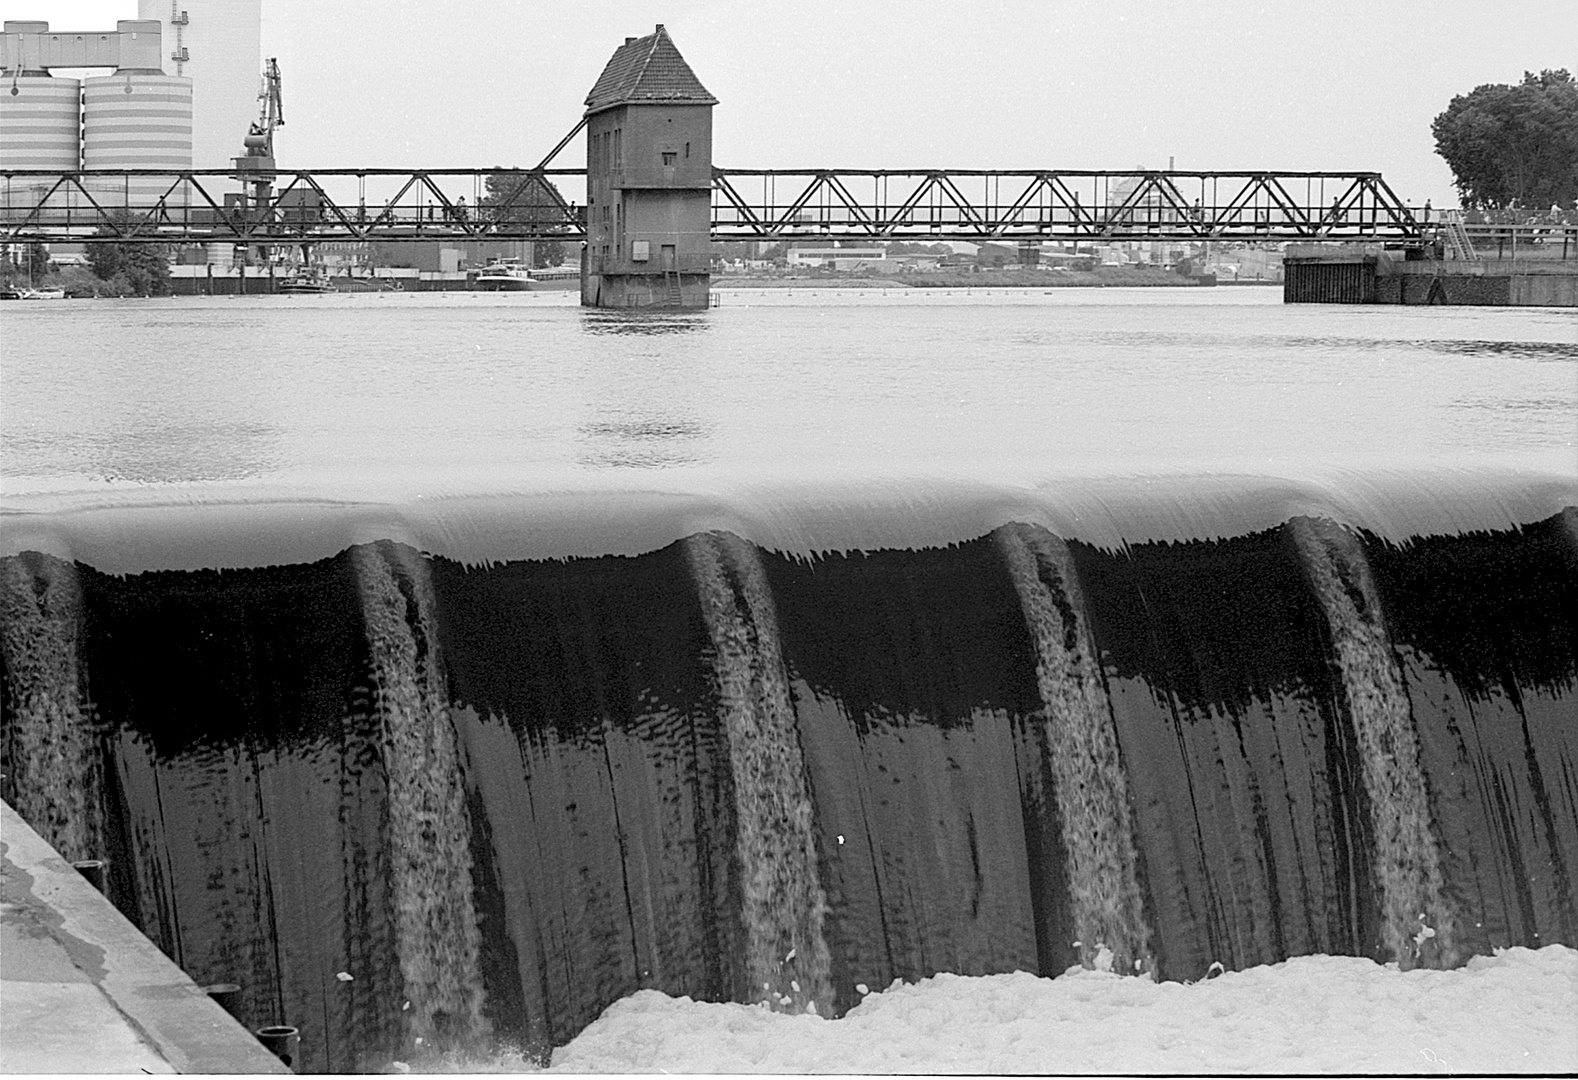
(325, 205)
(978, 205)
(1530, 241)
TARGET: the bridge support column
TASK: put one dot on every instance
(649, 181)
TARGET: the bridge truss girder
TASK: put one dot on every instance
(202, 206)
(351, 205)
(982, 205)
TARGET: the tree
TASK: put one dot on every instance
(28, 262)
(517, 197)
(36, 261)
(143, 269)
(1513, 145)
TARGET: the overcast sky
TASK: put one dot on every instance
(1215, 84)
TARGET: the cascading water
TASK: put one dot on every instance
(429, 830)
(1419, 925)
(1091, 790)
(51, 753)
(783, 900)
(510, 793)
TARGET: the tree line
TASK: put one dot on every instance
(1514, 147)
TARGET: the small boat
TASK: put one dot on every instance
(302, 284)
(43, 294)
(503, 275)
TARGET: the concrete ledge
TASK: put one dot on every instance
(81, 989)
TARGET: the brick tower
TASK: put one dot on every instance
(649, 180)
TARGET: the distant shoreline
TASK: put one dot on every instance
(1106, 277)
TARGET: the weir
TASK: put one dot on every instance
(402, 794)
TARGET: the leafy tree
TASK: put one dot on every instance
(517, 197)
(1511, 145)
(143, 269)
(36, 261)
(26, 262)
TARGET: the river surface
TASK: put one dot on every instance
(395, 396)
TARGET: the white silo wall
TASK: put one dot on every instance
(132, 121)
(223, 40)
(39, 122)
(40, 128)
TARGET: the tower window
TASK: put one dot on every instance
(668, 157)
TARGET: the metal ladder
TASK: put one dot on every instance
(676, 296)
(1457, 242)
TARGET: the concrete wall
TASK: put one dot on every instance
(1544, 290)
(1487, 283)
(645, 291)
(1359, 276)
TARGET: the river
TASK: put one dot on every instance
(443, 668)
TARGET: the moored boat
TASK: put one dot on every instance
(503, 275)
(309, 283)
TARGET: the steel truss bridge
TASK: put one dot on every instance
(312, 206)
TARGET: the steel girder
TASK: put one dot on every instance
(350, 205)
(296, 207)
(981, 205)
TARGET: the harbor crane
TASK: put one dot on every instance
(256, 165)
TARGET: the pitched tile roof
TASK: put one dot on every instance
(647, 69)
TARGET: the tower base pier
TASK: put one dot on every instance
(673, 290)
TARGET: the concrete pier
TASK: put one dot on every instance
(81, 989)
(1371, 274)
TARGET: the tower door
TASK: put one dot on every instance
(670, 259)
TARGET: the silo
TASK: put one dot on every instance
(138, 120)
(40, 124)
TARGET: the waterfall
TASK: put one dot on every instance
(54, 772)
(787, 961)
(1090, 789)
(1416, 919)
(429, 832)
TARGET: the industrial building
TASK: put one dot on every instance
(649, 179)
(218, 45)
(836, 258)
(135, 118)
(179, 92)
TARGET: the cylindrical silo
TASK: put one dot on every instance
(39, 129)
(137, 120)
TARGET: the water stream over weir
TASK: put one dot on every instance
(429, 832)
(50, 749)
(1092, 793)
(499, 796)
(1419, 925)
(783, 900)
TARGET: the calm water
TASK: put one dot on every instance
(482, 392)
